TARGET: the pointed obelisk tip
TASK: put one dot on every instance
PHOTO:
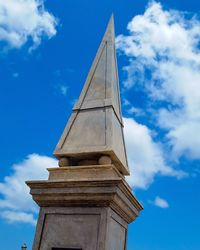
(112, 17)
(111, 21)
(110, 30)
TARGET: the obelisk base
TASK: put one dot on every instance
(82, 208)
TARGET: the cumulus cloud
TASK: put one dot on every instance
(23, 20)
(16, 204)
(160, 202)
(145, 156)
(164, 61)
(145, 161)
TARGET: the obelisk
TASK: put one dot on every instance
(86, 204)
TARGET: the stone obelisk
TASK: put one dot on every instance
(86, 204)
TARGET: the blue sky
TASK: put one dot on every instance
(46, 51)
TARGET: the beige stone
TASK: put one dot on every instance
(81, 203)
(89, 173)
(95, 127)
(85, 228)
(89, 190)
(103, 160)
(87, 162)
(94, 201)
(63, 162)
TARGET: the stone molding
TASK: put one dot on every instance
(106, 188)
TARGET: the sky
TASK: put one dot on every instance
(46, 50)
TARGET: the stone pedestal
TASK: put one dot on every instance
(83, 208)
(89, 207)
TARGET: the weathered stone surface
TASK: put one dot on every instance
(105, 188)
(87, 162)
(64, 162)
(83, 202)
(103, 160)
(82, 228)
(93, 172)
(95, 127)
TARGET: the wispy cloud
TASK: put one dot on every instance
(132, 110)
(63, 89)
(15, 75)
(164, 62)
(135, 111)
(60, 77)
(160, 202)
(126, 102)
(23, 20)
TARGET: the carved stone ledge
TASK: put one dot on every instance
(114, 193)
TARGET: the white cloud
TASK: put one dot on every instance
(145, 157)
(14, 217)
(163, 48)
(160, 202)
(23, 20)
(17, 204)
(145, 160)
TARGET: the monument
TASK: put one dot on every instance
(86, 204)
